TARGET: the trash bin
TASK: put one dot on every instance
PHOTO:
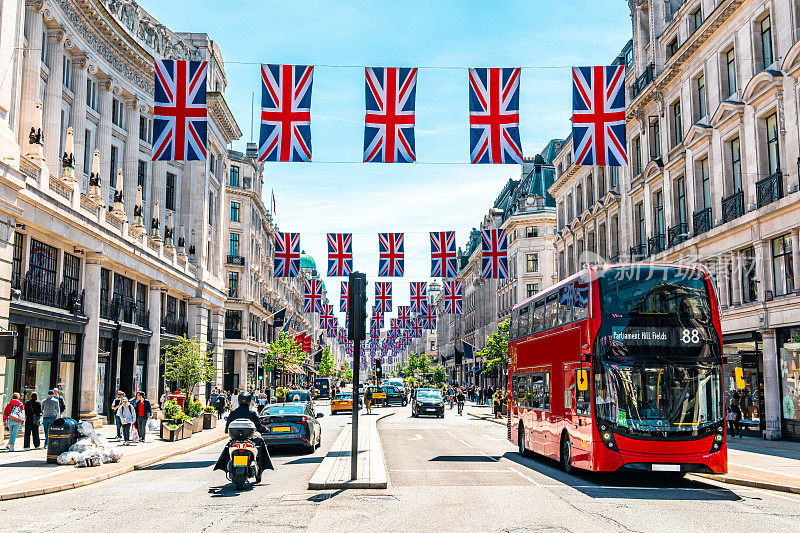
(63, 434)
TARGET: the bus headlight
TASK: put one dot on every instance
(718, 438)
(608, 438)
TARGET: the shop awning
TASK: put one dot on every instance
(292, 368)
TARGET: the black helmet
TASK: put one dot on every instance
(245, 398)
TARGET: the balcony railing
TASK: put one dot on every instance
(701, 221)
(645, 79)
(40, 292)
(655, 244)
(614, 258)
(733, 206)
(174, 326)
(638, 252)
(235, 260)
(233, 292)
(143, 319)
(677, 234)
(770, 189)
(233, 334)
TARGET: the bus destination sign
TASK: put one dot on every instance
(654, 336)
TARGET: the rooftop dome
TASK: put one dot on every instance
(306, 261)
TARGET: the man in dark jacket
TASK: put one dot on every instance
(243, 412)
(143, 412)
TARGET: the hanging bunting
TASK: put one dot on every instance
(391, 257)
(180, 122)
(326, 318)
(285, 113)
(287, 255)
(598, 116)
(312, 296)
(429, 317)
(403, 316)
(452, 297)
(389, 121)
(494, 254)
(494, 115)
(418, 296)
(416, 328)
(383, 296)
(443, 254)
(340, 254)
(343, 297)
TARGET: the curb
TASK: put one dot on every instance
(487, 418)
(108, 475)
(748, 483)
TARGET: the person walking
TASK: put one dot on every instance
(114, 407)
(51, 409)
(126, 416)
(460, 400)
(33, 419)
(368, 400)
(143, 411)
(220, 405)
(497, 404)
(734, 417)
(62, 404)
(13, 418)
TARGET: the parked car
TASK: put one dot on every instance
(428, 402)
(292, 423)
(395, 395)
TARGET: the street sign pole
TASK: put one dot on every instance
(354, 443)
(357, 307)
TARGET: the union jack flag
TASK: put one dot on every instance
(342, 335)
(418, 296)
(326, 318)
(376, 315)
(340, 254)
(285, 113)
(180, 121)
(383, 296)
(429, 318)
(494, 115)
(313, 296)
(598, 116)
(494, 254)
(403, 316)
(452, 297)
(389, 122)
(416, 328)
(375, 324)
(374, 333)
(287, 255)
(443, 254)
(391, 257)
(343, 297)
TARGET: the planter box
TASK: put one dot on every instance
(209, 420)
(170, 434)
(188, 429)
(197, 424)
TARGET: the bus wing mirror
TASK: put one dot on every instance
(585, 353)
(582, 379)
(740, 382)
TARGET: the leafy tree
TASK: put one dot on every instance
(495, 353)
(283, 352)
(188, 363)
(423, 364)
(327, 366)
(439, 375)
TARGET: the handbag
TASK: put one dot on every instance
(17, 414)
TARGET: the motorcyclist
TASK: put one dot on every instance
(243, 412)
(460, 398)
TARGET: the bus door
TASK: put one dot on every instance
(577, 410)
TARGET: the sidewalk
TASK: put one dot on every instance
(26, 473)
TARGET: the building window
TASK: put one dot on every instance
(637, 155)
(233, 247)
(658, 213)
(112, 178)
(16, 265)
(749, 281)
(655, 138)
(766, 42)
(118, 113)
(579, 199)
(532, 231)
(233, 284)
(44, 48)
(235, 212)
(672, 47)
(736, 165)
(705, 183)
(69, 345)
(42, 262)
(532, 262)
(700, 85)
(782, 265)
(105, 287)
(680, 198)
(141, 300)
(40, 341)
(171, 310)
(677, 124)
(66, 75)
(72, 269)
(773, 150)
(531, 289)
(141, 177)
(696, 19)
(145, 129)
(211, 209)
(233, 179)
(641, 228)
(614, 177)
(590, 190)
(91, 93)
(170, 192)
(730, 69)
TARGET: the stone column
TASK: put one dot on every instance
(736, 278)
(796, 257)
(91, 340)
(772, 396)
(762, 270)
(78, 118)
(154, 348)
(104, 134)
(131, 164)
(723, 281)
(31, 70)
(51, 120)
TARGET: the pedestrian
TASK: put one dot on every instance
(368, 400)
(734, 419)
(460, 399)
(164, 398)
(62, 404)
(497, 404)
(13, 417)
(114, 406)
(212, 399)
(220, 405)
(126, 416)
(51, 410)
(33, 419)
(143, 411)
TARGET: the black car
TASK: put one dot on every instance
(394, 395)
(298, 395)
(428, 402)
(292, 423)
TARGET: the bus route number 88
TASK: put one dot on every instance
(690, 336)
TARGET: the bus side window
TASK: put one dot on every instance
(564, 306)
(513, 329)
(538, 315)
(524, 316)
(581, 293)
(551, 312)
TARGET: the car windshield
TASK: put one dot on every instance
(659, 397)
(278, 410)
(429, 395)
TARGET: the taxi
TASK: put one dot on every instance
(342, 402)
(378, 395)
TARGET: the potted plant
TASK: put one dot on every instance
(194, 411)
(209, 417)
(176, 428)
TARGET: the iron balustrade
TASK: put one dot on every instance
(235, 260)
(677, 234)
(174, 326)
(38, 291)
(645, 79)
(655, 244)
(638, 252)
(733, 206)
(143, 319)
(701, 221)
(614, 259)
(770, 189)
(233, 333)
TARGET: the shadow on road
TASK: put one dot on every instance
(228, 490)
(465, 458)
(180, 465)
(626, 485)
(305, 460)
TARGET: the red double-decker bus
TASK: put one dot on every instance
(619, 367)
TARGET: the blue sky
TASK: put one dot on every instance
(366, 199)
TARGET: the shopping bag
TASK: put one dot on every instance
(152, 425)
(134, 433)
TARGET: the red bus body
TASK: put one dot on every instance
(564, 350)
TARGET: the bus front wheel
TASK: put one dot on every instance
(566, 454)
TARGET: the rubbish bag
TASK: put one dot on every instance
(82, 445)
(99, 440)
(85, 429)
(115, 453)
(68, 458)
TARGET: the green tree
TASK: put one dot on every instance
(495, 353)
(188, 363)
(348, 373)
(283, 352)
(439, 375)
(327, 366)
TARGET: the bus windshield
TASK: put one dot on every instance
(659, 397)
(657, 291)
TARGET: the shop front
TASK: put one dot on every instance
(743, 367)
(789, 360)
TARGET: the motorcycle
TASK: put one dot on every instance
(243, 463)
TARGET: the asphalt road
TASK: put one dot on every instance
(455, 474)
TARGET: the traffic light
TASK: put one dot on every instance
(357, 306)
(378, 369)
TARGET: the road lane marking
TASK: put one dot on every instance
(494, 471)
(487, 455)
(465, 443)
(492, 438)
(520, 474)
(452, 435)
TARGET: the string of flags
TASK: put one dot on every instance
(180, 114)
